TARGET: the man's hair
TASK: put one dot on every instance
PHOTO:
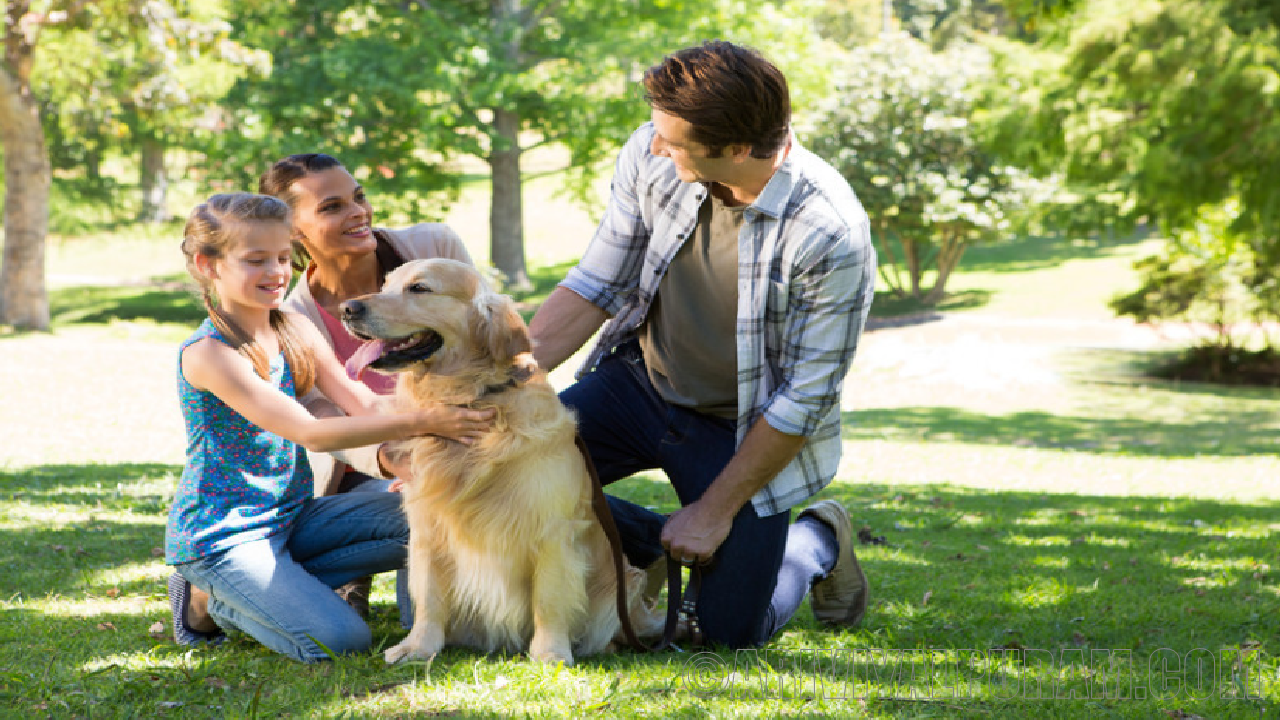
(730, 94)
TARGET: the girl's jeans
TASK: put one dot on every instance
(279, 590)
(764, 569)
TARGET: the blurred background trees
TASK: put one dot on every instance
(956, 121)
(404, 89)
(1165, 112)
(899, 127)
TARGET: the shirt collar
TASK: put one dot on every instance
(772, 201)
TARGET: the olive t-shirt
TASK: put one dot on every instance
(689, 339)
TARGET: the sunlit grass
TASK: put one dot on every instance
(1037, 505)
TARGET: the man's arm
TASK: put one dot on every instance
(694, 533)
(564, 323)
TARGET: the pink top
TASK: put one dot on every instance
(345, 345)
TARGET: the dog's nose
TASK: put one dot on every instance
(352, 310)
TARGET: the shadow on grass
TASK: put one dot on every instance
(1030, 593)
(963, 569)
(66, 553)
(1021, 254)
(166, 300)
(1251, 432)
(1025, 254)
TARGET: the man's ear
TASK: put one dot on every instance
(740, 152)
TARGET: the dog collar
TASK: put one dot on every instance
(495, 389)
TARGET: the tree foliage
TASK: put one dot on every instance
(106, 54)
(137, 84)
(899, 129)
(1169, 110)
(398, 90)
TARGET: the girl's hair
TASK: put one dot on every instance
(278, 182)
(210, 231)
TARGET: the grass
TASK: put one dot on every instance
(1062, 538)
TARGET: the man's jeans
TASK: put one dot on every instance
(748, 593)
(279, 590)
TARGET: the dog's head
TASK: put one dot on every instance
(438, 313)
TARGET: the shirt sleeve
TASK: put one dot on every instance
(610, 269)
(827, 311)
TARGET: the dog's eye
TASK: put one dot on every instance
(418, 288)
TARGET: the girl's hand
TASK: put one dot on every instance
(455, 423)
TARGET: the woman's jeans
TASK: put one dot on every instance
(763, 570)
(279, 590)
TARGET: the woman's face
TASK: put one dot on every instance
(332, 215)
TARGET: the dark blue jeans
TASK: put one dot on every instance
(763, 570)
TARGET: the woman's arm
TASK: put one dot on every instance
(214, 367)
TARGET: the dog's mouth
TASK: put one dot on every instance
(393, 354)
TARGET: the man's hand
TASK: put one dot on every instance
(693, 534)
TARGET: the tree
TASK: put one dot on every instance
(1170, 111)
(899, 130)
(139, 87)
(99, 35)
(24, 301)
(398, 90)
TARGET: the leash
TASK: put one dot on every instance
(687, 604)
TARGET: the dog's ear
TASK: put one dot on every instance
(501, 330)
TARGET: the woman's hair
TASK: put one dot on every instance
(278, 182)
(730, 95)
(211, 230)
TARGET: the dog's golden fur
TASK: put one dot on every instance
(505, 551)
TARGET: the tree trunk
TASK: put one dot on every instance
(953, 247)
(506, 211)
(154, 181)
(888, 267)
(506, 214)
(911, 249)
(24, 301)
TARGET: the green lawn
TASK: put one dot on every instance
(1062, 538)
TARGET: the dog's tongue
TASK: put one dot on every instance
(363, 357)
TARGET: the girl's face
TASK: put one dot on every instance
(332, 215)
(255, 271)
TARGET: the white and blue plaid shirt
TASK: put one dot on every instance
(806, 276)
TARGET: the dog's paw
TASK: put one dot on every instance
(408, 651)
(551, 652)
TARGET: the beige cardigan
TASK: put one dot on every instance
(422, 241)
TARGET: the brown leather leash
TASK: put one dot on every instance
(686, 605)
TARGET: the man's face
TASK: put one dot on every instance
(693, 164)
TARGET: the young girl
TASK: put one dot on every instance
(244, 527)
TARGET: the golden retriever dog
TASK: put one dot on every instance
(505, 553)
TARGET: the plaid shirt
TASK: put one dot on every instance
(806, 276)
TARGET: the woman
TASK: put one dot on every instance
(343, 256)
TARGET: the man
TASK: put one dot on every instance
(735, 270)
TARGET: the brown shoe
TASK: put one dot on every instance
(356, 593)
(841, 597)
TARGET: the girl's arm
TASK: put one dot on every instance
(212, 366)
(355, 398)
